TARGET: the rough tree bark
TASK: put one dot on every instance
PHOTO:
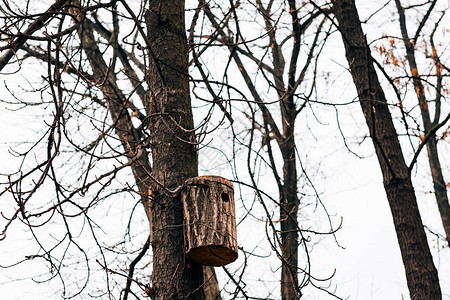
(289, 226)
(174, 151)
(440, 188)
(421, 274)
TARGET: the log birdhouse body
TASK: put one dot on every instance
(209, 220)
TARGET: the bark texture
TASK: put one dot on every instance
(173, 147)
(288, 215)
(421, 274)
(440, 188)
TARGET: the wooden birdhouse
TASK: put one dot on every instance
(209, 220)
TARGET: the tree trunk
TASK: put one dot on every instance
(211, 284)
(289, 226)
(440, 188)
(421, 274)
(117, 107)
(288, 190)
(174, 151)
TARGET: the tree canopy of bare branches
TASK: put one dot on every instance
(120, 102)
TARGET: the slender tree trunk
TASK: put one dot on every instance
(288, 189)
(117, 107)
(289, 201)
(421, 274)
(440, 188)
(289, 226)
(173, 147)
